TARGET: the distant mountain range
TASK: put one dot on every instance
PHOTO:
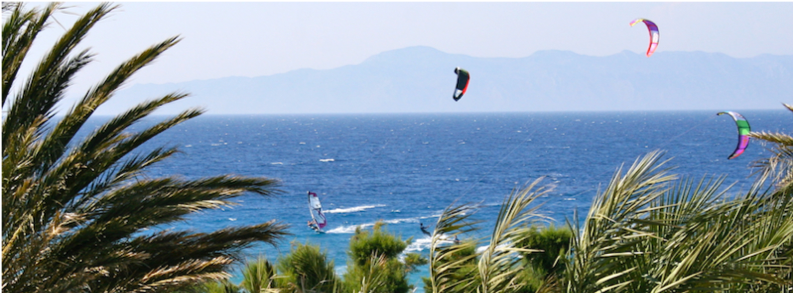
(421, 79)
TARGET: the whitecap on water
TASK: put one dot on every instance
(351, 228)
(353, 209)
(481, 249)
(423, 243)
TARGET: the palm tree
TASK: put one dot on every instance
(455, 268)
(646, 231)
(76, 210)
(498, 267)
(258, 276)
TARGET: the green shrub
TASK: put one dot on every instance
(306, 269)
(374, 264)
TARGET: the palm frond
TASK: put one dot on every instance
(375, 278)
(609, 233)
(447, 261)
(779, 166)
(46, 85)
(258, 276)
(307, 269)
(16, 42)
(54, 146)
(714, 253)
(498, 263)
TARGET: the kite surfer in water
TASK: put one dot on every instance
(424, 229)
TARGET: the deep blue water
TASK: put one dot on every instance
(406, 168)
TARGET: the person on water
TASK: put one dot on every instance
(313, 225)
(424, 229)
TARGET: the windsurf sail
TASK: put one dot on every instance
(462, 83)
(743, 131)
(315, 208)
(654, 35)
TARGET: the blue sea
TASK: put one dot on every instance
(404, 169)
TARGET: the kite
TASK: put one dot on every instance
(743, 131)
(462, 83)
(653, 34)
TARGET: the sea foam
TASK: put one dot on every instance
(349, 229)
(353, 209)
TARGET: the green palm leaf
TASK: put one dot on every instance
(603, 248)
(499, 262)
(77, 214)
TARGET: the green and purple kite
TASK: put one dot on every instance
(743, 133)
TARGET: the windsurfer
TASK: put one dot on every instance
(313, 225)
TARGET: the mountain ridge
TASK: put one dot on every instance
(420, 79)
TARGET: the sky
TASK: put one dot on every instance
(265, 38)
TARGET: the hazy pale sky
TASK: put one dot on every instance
(265, 38)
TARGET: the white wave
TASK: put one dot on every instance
(347, 229)
(232, 219)
(276, 163)
(351, 228)
(419, 245)
(423, 243)
(481, 249)
(353, 209)
(340, 270)
(326, 160)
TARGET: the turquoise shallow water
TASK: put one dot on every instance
(406, 168)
